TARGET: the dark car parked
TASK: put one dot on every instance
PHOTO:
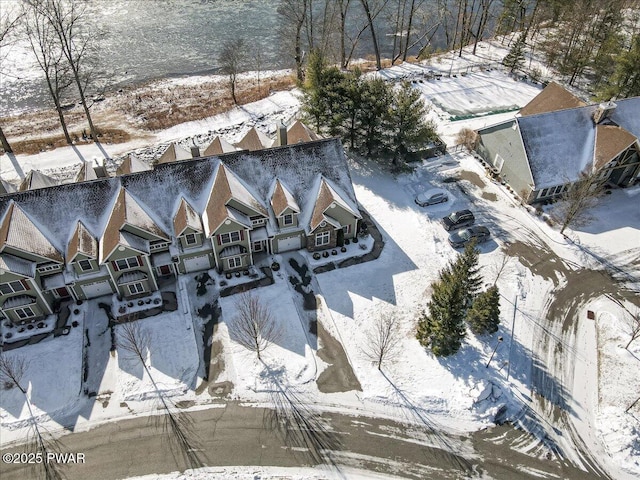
(459, 219)
(462, 237)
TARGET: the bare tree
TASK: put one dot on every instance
(467, 138)
(232, 57)
(295, 15)
(136, 342)
(371, 13)
(66, 17)
(383, 339)
(12, 371)
(578, 199)
(254, 327)
(50, 59)
(9, 21)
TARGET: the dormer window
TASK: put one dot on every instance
(191, 239)
(257, 220)
(287, 219)
(159, 245)
(85, 265)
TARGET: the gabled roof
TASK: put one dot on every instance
(299, 132)
(20, 266)
(36, 179)
(626, 115)
(185, 217)
(82, 242)
(6, 187)
(18, 231)
(611, 140)
(86, 172)
(227, 186)
(174, 153)
(282, 199)
(218, 146)
(127, 211)
(559, 145)
(128, 239)
(554, 97)
(327, 194)
(131, 164)
(254, 140)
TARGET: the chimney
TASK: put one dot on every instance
(282, 134)
(195, 152)
(603, 111)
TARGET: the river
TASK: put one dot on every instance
(140, 40)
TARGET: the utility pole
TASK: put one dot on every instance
(513, 326)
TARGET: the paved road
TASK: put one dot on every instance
(241, 435)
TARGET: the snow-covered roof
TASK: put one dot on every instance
(56, 210)
(559, 145)
(18, 231)
(174, 153)
(131, 164)
(218, 146)
(6, 187)
(86, 172)
(627, 115)
(185, 217)
(11, 263)
(326, 194)
(82, 241)
(282, 198)
(19, 301)
(254, 140)
(128, 239)
(131, 277)
(36, 179)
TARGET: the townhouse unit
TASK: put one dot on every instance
(123, 235)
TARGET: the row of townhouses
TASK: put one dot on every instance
(123, 235)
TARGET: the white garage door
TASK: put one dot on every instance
(98, 289)
(291, 243)
(196, 264)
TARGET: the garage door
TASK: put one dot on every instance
(196, 264)
(291, 243)
(98, 289)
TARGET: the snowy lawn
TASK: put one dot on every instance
(168, 342)
(288, 361)
(52, 377)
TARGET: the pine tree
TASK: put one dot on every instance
(467, 273)
(375, 99)
(484, 315)
(406, 122)
(515, 58)
(443, 329)
(625, 81)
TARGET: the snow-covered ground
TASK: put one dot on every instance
(460, 393)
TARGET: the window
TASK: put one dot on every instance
(135, 288)
(346, 229)
(287, 219)
(158, 245)
(24, 313)
(49, 268)
(499, 162)
(126, 263)
(191, 239)
(257, 220)
(544, 192)
(229, 237)
(85, 265)
(11, 287)
(235, 262)
(257, 246)
(323, 238)
(164, 270)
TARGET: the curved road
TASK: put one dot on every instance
(240, 435)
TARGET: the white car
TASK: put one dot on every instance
(425, 200)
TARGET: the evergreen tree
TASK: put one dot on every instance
(443, 329)
(375, 98)
(320, 92)
(484, 315)
(515, 58)
(406, 121)
(626, 77)
(467, 273)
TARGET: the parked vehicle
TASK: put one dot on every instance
(460, 238)
(459, 219)
(426, 200)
